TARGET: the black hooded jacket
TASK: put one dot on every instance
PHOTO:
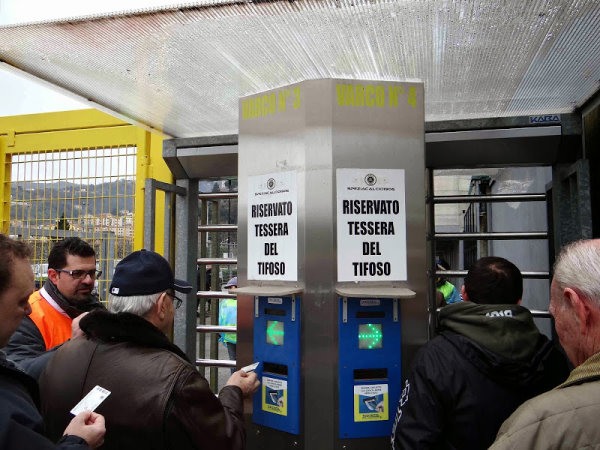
(21, 425)
(488, 360)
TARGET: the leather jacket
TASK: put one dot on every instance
(158, 399)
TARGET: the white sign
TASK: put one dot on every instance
(371, 402)
(273, 227)
(274, 396)
(371, 225)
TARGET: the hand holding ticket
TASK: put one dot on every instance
(91, 401)
(245, 379)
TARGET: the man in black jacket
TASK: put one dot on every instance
(21, 425)
(489, 358)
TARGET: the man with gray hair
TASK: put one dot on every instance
(566, 417)
(157, 398)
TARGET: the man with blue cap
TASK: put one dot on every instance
(157, 397)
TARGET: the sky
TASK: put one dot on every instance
(21, 95)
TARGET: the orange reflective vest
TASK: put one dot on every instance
(54, 326)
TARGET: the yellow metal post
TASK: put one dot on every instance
(143, 171)
(150, 165)
(4, 186)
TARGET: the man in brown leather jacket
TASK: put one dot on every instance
(157, 398)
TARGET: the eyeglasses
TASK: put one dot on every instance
(176, 300)
(80, 274)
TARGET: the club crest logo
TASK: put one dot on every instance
(370, 179)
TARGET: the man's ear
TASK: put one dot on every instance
(463, 294)
(53, 275)
(161, 306)
(580, 307)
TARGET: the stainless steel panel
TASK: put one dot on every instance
(218, 161)
(314, 139)
(493, 148)
(202, 157)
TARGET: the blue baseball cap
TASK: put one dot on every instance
(143, 273)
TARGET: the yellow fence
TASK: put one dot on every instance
(78, 173)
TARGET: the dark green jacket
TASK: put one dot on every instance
(566, 417)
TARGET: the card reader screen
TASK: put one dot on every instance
(370, 336)
(275, 332)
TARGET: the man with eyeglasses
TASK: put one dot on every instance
(57, 307)
(157, 397)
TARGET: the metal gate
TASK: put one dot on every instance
(204, 237)
(521, 145)
(508, 142)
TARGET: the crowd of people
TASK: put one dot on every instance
(489, 379)
(64, 339)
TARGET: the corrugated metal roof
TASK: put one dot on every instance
(183, 69)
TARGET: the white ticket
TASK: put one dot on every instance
(250, 368)
(91, 401)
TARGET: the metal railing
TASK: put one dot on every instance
(218, 261)
(513, 235)
(213, 362)
(207, 228)
(463, 273)
(499, 198)
(214, 294)
(215, 329)
(217, 195)
(483, 236)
